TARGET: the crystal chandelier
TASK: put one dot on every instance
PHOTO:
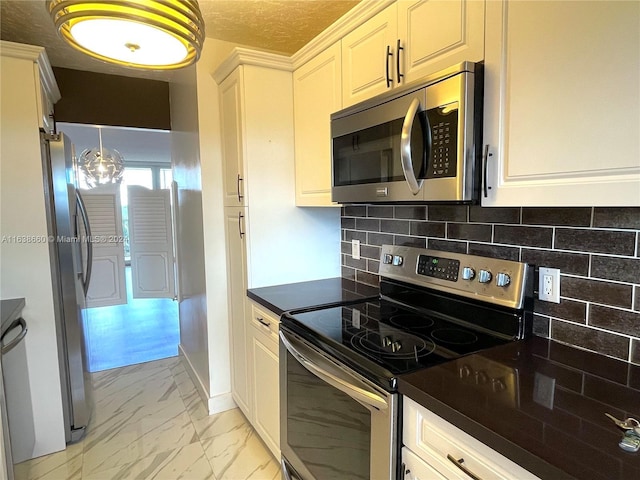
(101, 165)
(147, 34)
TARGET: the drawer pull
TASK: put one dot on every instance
(263, 322)
(459, 464)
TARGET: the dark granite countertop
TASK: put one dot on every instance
(10, 309)
(545, 412)
(315, 293)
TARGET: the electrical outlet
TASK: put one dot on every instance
(355, 249)
(549, 284)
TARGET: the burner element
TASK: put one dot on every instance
(392, 345)
(454, 336)
(410, 321)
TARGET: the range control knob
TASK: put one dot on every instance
(503, 279)
(484, 276)
(468, 273)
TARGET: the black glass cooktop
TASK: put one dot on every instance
(381, 339)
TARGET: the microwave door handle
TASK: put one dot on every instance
(341, 382)
(405, 148)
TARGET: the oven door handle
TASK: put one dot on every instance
(340, 379)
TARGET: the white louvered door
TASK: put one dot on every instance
(107, 284)
(151, 243)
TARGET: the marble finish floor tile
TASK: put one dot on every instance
(149, 422)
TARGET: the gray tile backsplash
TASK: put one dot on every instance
(596, 249)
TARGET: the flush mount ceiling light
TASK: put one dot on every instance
(101, 165)
(148, 34)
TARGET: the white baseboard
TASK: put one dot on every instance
(215, 404)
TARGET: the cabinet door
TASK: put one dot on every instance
(436, 34)
(231, 115)
(237, 287)
(266, 386)
(561, 108)
(367, 70)
(317, 92)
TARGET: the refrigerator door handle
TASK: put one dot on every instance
(18, 322)
(87, 229)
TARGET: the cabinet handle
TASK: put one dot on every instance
(263, 322)
(389, 54)
(240, 217)
(400, 75)
(459, 464)
(485, 161)
(240, 196)
(405, 470)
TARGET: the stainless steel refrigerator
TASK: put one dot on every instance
(71, 256)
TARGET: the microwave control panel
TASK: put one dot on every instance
(443, 155)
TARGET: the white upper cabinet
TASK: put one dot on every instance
(231, 112)
(435, 34)
(561, 105)
(317, 93)
(368, 57)
(408, 40)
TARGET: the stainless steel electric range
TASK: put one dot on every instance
(339, 406)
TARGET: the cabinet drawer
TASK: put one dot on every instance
(438, 442)
(414, 468)
(265, 321)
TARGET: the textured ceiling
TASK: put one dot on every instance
(282, 26)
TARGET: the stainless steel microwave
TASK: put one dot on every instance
(420, 143)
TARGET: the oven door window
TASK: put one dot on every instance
(326, 429)
(372, 155)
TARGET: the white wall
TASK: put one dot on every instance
(24, 267)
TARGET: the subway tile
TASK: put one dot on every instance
(368, 251)
(346, 222)
(541, 326)
(411, 212)
(353, 235)
(480, 214)
(373, 266)
(379, 211)
(379, 239)
(410, 241)
(571, 263)
(559, 216)
(345, 247)
(428, 229)
(596, 241)
(495, 251)
(368, 278)
(525, 236)
(447, 213)
(616, 268)
(348, 273)
(566, 310)
(596, 291)
(395, 226)
(591, 339)
(469, 231)
(447, 245)
(354, 211)
(617, 217)
(360, 264)
(616, 320)
(636, 303)
(368, 224)
(635, 354)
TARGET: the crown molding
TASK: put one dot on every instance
(245, 56)
(37, 55)
(355, 17)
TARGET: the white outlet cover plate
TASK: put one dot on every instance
(554, 295)
(355, 249)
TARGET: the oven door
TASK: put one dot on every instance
(335, 424)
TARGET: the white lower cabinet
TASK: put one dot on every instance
(263, 341)
(433, 448)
